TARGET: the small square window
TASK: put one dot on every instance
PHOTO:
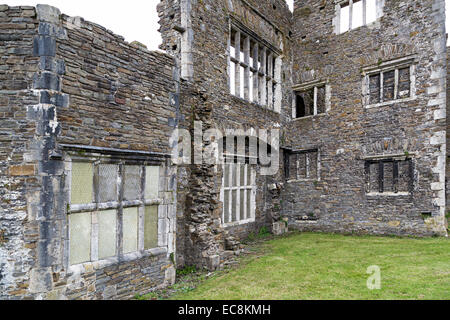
(303, 165)
(388, 85)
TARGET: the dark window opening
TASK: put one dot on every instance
(389, 176)
(300, 106)
(310, 102)
(302, 165)
(389, 85)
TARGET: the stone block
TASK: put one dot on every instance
(48, 13)
(48, 63)
(22, 170)
(48, 29)
(46, 81)
(59, 100)
(170, 276)
(213, 262)
(279, 228)
(44, 46)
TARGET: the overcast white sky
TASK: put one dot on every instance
(132, 19)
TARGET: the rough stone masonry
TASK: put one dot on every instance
(92, 205)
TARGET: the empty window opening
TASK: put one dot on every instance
(310, 102)
(302, 165)
(426, 215)
(356, 13)
(255, 71)
(389, 85)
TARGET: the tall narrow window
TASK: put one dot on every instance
(371, 11)
(238, 193)
(345, 17)
(357, 14)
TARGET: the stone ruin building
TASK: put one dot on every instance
(94, 207)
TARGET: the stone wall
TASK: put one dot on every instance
(18, 28)
(350, 133)
(197, 34)
(71, 86)
(447, 186)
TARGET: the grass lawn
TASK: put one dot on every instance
(322, 266)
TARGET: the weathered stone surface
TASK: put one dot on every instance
(349, 132)
(63, 93)
(65, 81)
(22, 170)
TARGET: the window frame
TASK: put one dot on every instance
(339, 4)
(257, 75)
(306, 87)
(95, 208)
(307, 152)
(393, 65)
(395, 160)
(248, 187)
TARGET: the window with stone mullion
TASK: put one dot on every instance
(356, 13)
(252, 70)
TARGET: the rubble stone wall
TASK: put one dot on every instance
(67, 85)
(349, 133)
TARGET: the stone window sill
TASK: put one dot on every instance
(238, 223)
(389, 103)
(113, 205)
(310, 117)
(307, 221)
(302, 180)
(87, 267)
(388, 194)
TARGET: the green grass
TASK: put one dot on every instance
(323, 266)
